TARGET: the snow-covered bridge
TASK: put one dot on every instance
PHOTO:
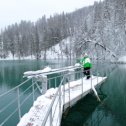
(48, 108)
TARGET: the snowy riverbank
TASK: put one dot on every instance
(122, 60)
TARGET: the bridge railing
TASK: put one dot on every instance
(14, 100)
(54, 115)
(23, 95)
(56, 106)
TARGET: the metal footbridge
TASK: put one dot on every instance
(51, 96)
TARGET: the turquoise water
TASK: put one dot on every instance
(88, 111)
(112, 110)
(11, 75)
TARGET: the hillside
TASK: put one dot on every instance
(104, 23)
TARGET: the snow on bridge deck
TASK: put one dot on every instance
(37, 113)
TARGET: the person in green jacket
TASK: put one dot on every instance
(87, 65)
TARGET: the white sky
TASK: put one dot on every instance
(12, 11)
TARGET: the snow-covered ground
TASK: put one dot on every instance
(38, 111)
(57, 51)
(122, 59)
(10, 57)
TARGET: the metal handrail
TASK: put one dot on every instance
(15, 99)
(7, 118)
(52, 103)
(15, 87)
(20, 103)
(49, 112)
(53, 71)
(58, 93)
(4, 108)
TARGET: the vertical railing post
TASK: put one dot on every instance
(63, 96)
(69, 89)
(59, 103)
(51, 117)
(55, 81)
(44, 84)
(49, 85)
(71, 74)
(70, 78)
(82, 82)
(91, 80)
(33, 82)
(18, 99)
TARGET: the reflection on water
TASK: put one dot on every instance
(80, 112)
(11, 75)
(112, 110)
(11, 72)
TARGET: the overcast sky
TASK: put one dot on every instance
(12, 11)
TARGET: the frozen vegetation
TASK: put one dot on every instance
(104, 23)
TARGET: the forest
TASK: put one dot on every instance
(103, 23)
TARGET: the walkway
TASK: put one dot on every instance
(48, 108)
(69, 87)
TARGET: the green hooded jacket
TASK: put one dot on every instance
(85, 61)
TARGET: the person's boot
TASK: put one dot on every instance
(88, 77)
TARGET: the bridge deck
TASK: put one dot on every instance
(36, 114)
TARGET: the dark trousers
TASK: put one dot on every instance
(86, 71)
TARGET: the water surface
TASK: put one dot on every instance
(11, 75)
(112, 110)
(88, 111)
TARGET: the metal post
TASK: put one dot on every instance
(71, 75)
(63, 96)
(44, 84)
(51, 117)
(18, 99)
(59, 103)
(91, 79)
(55, 81)
(49, 83)
(33, 81)
(69, 90)
(82, 82)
